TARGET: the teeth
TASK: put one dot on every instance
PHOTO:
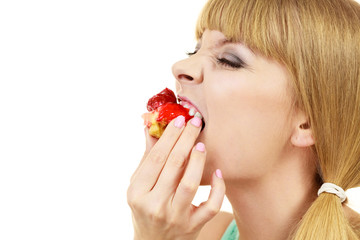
(192, 112)
(186, 106)
(197, 114)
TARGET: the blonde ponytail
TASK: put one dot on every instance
(319, 43)
(325, 219)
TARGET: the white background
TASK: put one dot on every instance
(74, 79)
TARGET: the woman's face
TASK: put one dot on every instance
(246, 103)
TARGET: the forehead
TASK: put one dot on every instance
(212, 38)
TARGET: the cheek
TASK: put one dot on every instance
(247, 130)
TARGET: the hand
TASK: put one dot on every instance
(163, 186)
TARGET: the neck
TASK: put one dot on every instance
(270, 207)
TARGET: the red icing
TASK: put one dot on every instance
(169, 111)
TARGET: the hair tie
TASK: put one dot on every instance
(334, 189)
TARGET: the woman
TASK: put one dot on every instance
(278, 86)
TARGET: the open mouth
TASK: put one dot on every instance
(193, 110)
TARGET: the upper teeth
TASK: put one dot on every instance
(192, 110)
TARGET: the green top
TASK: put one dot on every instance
(231, 232)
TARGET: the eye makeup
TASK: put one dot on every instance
(230, 60)
(225, 55)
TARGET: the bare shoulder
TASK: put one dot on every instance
(215, 228)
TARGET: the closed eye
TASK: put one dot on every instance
(233, 63)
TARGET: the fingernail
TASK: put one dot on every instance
(200, 147)
(218, 173)
(179, 121)
(196, 122)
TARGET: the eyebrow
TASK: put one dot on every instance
(219, 44)
(223, 42)
(227, 41)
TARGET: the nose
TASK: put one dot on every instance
(188, 69)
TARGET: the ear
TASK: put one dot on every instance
(302, 135)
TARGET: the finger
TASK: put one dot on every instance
(174, 167)
(190, 182)
(149, 143)
(153, 163)
(212, 206)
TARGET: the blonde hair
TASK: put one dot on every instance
(319, 43)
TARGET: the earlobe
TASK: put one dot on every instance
(302, 136)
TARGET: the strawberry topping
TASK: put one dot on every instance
(165, 96)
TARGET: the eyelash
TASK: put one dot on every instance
(191, 53)
(222, 61)
(227, 63)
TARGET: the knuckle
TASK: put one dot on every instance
(188, 186)
(157, 215)
(130, 194)
(156, 157)
(174, 222)
(177, 160)
(212, 210)
(134, 203)
(132, 198)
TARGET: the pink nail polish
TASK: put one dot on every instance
(179, 121)
(200, 147)
(196, 122)
(218, 173)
